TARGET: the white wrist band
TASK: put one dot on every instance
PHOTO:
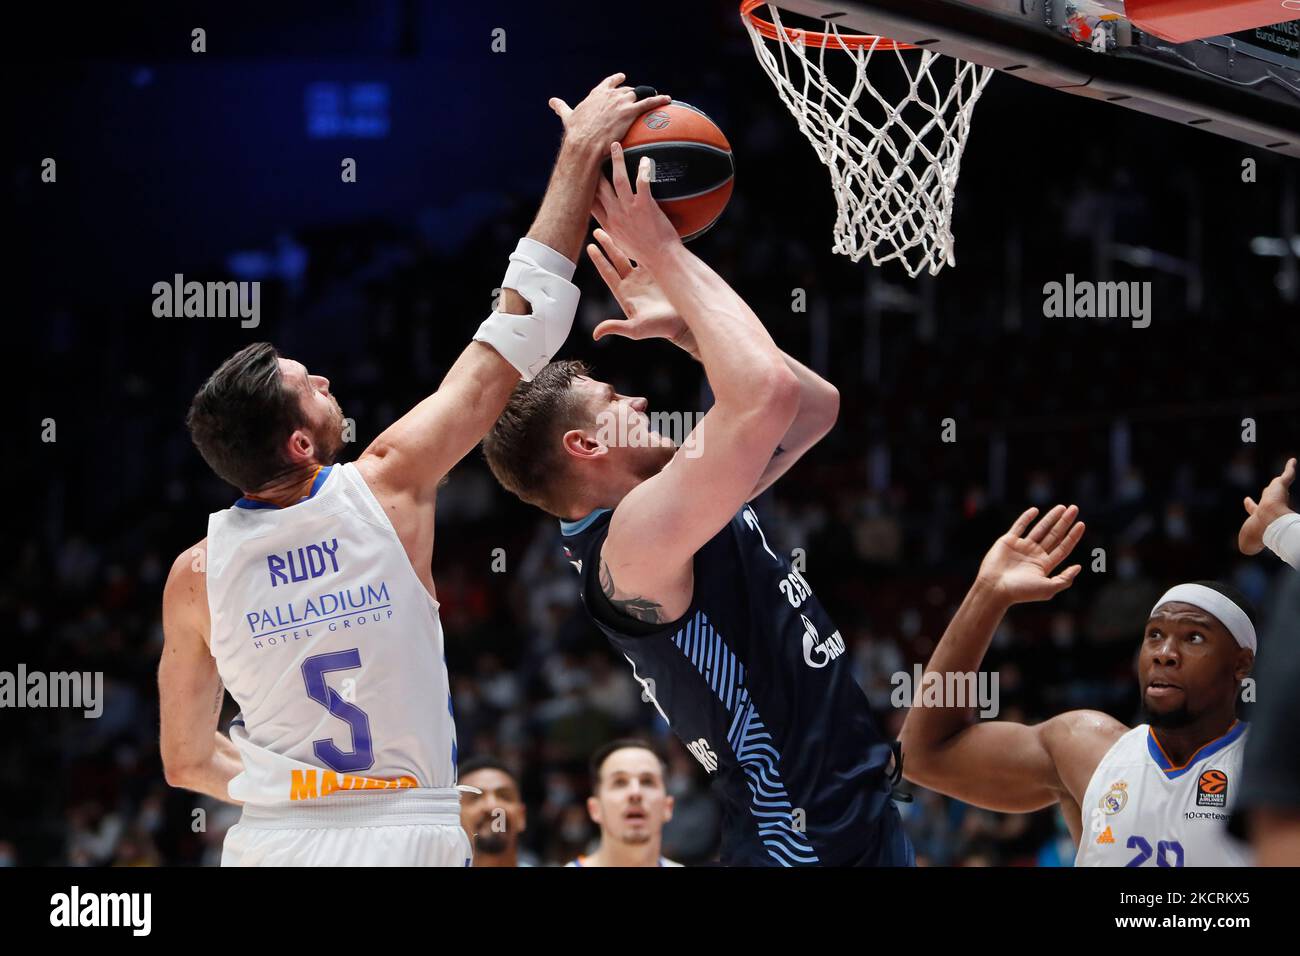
(541, 276)
(1282, 537)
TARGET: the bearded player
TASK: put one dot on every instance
(1158, 794)
(727, 639)
(312, 600)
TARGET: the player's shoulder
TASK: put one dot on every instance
(190, 563)
(1078, 741)
(187, 578)
(1081, 734)
(664, 861)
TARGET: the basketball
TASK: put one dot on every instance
(693, 171)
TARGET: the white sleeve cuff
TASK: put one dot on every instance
(1282, 537)
(542, 277)
(546, 257)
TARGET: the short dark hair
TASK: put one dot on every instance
(522, 448)
(623, 743)
(243, 415)
(475, 764)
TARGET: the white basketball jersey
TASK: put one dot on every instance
(1141, 810)
(332, 647)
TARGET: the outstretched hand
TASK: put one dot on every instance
(1272, 505)
(606, 113)
(648, 313)
(1019, 566)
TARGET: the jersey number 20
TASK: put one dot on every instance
(1165, 850)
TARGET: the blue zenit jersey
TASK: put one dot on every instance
(755, 681)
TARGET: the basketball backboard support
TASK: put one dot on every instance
(1245, 86)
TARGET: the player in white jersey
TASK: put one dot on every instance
(1157, 795)
(312, 599)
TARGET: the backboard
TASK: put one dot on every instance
(1245, 86)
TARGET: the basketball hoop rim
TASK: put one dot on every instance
(850, 41)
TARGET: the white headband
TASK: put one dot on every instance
(1228, 612)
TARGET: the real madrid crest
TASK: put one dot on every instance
(1116, 798)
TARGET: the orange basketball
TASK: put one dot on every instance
(693, 169)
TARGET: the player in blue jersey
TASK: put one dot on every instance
(726, 638)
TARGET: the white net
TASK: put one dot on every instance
(892, 136)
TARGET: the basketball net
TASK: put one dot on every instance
(893, 162)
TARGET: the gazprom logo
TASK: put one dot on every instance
(816, 652)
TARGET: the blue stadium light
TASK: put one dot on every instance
(347, 110)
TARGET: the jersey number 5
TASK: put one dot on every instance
(362, 755)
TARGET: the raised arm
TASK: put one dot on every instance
(659, 525)
(536, 311)
(1001, 765)
(1271, 523)
(819, 407)
(195, 755)
(648, 314)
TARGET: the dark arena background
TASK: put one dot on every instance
(225, 165)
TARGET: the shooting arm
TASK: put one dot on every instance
(819, 407)
(659, 526)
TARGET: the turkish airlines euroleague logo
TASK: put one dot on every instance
(1212, 789)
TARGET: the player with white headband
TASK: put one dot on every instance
(1158, 794)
